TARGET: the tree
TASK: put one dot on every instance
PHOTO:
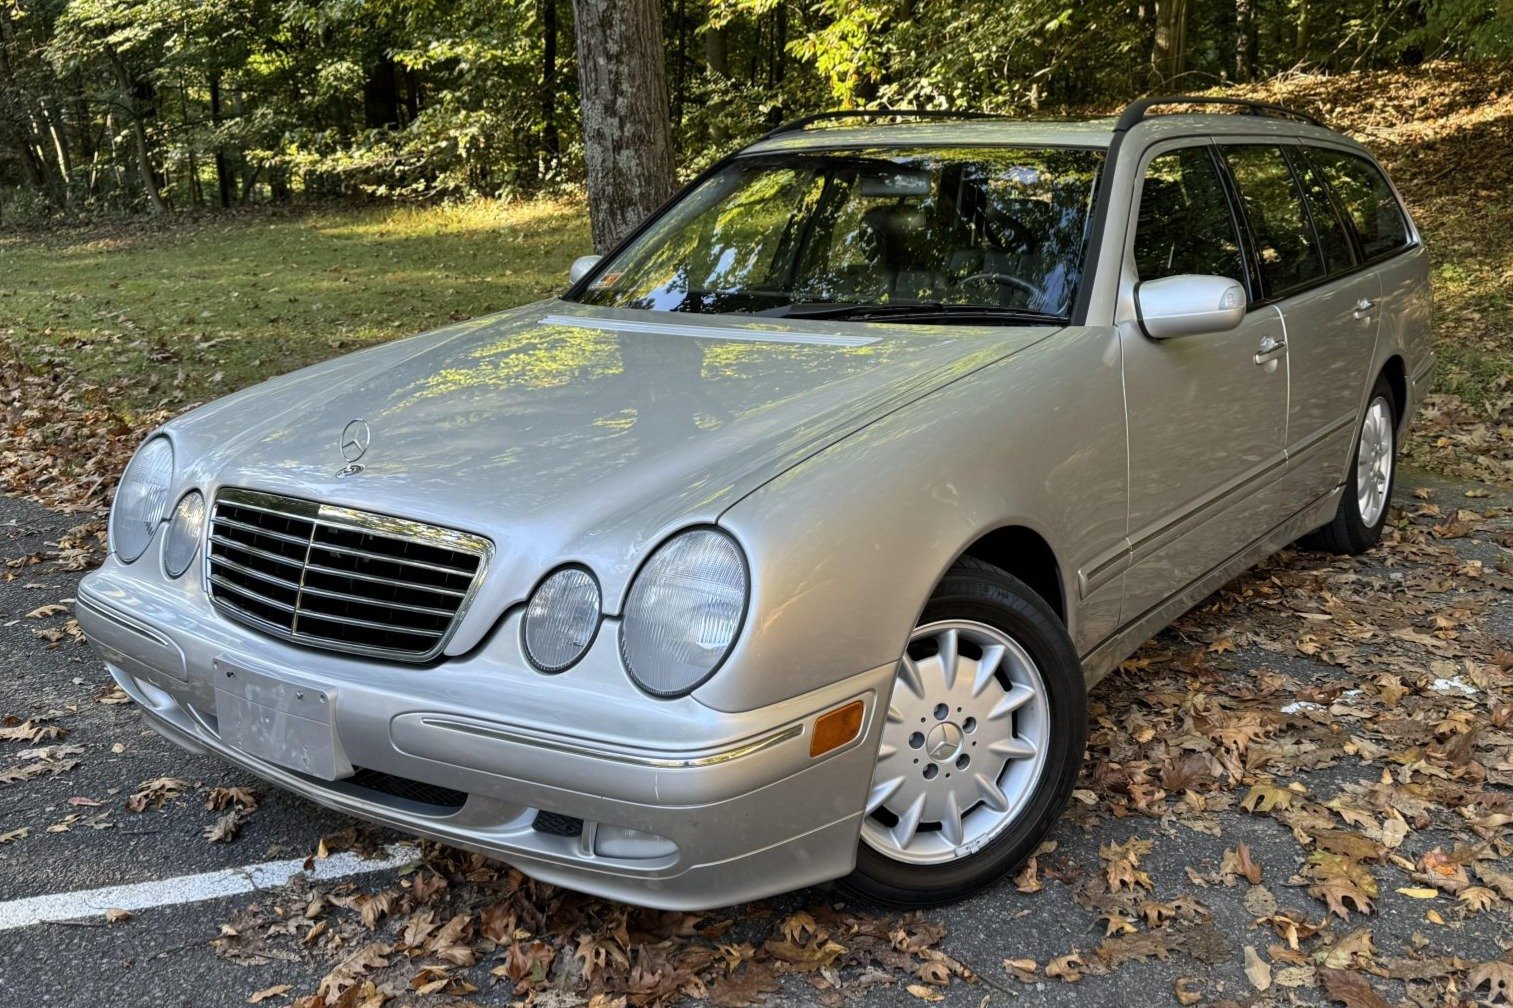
(627, 132)
(1169, 49)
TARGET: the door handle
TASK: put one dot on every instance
(1364, 307)
(1270, 349)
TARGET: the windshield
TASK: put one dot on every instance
(939, 232)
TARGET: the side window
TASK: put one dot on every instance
(1362, 189)
(1334, 240)
(1285, 244)
(1185, 225)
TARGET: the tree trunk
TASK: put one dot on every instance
(1168, 49)
(381, 93)
(627, 138)
(551, 141)
(138, 134)
(717, 52)
(1245, 41)
(223, 181)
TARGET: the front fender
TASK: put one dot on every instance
(846, 547)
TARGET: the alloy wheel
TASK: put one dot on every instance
(1373, 462)
(964, 745)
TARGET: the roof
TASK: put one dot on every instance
(1094, 133)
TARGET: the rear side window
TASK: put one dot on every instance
(1334, 239)
(1279, 224)
(1362, 189)
(1185, 225)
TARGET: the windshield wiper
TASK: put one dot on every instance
(931, 311)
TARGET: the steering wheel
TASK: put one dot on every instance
(1002, 279)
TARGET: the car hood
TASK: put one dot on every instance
(564, 432)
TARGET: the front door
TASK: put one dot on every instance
(1207, 413)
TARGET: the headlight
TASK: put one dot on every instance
(184, 533)
(561, 619)
(684, 612)
(141, 499)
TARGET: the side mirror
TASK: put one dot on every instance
(1187, 305)
(580, 267)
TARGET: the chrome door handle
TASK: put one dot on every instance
(1270, 349)
(1364, 307)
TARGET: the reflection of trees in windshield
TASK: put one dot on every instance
(995, 227)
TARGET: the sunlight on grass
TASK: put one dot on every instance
(198, 310)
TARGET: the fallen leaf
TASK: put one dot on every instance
(1257, 969)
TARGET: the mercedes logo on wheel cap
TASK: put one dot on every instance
(943, 742)
(354, 440)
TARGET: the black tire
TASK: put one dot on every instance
(973, 590)
(1347, 533)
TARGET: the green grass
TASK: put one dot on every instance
(187, 312)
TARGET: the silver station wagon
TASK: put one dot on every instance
(784, 545)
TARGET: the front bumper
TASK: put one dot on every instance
(576, 779)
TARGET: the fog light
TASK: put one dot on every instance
(631, 844)
(834, 729)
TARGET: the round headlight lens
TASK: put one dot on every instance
(684, 612)
(561, 619)
(141, 499)
(184, 533)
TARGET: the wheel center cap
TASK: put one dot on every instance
(944, 742)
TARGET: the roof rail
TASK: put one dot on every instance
(1135, 111)
(799, 125)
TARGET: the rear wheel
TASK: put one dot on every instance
(1357, 524)
(982, 745)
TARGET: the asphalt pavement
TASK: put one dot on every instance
(81, 836)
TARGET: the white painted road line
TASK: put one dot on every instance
(191, 888)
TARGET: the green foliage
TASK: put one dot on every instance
(119, 106)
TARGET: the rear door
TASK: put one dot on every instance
(1207, 413)
(1311, 271)
(1387, 246)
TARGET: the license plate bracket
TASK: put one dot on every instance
(279, 719)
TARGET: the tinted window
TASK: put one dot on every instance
(1362, 189)
(986, 227)
(1289, 256)
(1185, 225)
(1334, 240)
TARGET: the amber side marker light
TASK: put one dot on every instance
(834, 729)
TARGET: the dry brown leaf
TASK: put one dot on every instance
(1350, 988)
(1069, 968)
(1497, 977)
(1257, 970)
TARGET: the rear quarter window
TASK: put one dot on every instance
(1370, 206)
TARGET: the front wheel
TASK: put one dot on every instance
(1357, 524)
(983, 742)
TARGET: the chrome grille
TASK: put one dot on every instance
(336, 578)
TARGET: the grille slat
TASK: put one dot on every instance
(300, 541)
(369, 555)
(256, 551)
(315, 568)
(252, 572)
(341, 579)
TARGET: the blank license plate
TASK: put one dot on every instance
(280, 721)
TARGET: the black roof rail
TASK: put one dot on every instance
(799, 125)
(1134, 112)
